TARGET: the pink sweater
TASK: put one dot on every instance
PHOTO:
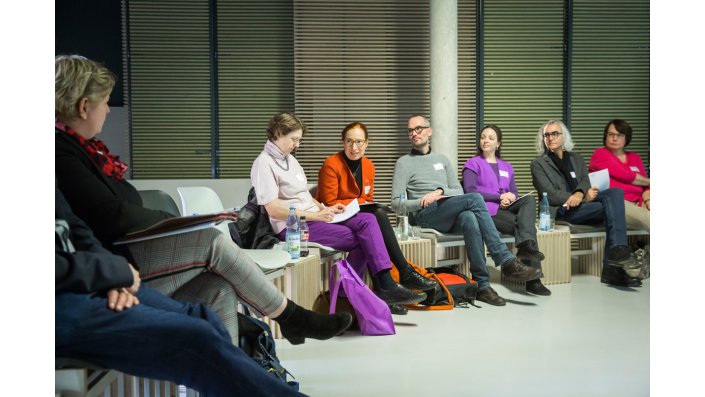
(621, 174)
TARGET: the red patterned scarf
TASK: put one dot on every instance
(109, 163)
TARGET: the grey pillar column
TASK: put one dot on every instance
(444, 78)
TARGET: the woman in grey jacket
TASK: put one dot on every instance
(562, 174)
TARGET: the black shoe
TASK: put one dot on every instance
(529, 250)
(398, 309)
(616, 276)
(537, 288)
(516, 270)
(297, 323)
(621, 257)
(413, 280)
(488, 295)
(400, 295)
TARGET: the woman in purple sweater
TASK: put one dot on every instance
(493, 178)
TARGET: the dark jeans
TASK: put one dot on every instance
(163, 339)
(518, 219)
(607, 207)
(467, 214)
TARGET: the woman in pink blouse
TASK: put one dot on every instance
(626, 172)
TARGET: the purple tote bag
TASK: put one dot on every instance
(373, 315)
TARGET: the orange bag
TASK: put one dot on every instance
(441, 288)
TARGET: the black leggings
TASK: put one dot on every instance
(390, 238)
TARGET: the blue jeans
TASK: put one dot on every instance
(163, 339)
(607, 207)
(467, 214)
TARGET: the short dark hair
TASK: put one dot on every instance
(284, 123)
(498, 131)
(620, 125)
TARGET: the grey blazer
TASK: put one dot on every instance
(548, 178)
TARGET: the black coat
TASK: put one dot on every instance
(110, 207)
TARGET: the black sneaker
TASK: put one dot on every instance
(537, 288)
(413, 280)
(622, 257)
(400, 295)
(488, 295)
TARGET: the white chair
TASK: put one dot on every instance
(199, 200)
(204, 200)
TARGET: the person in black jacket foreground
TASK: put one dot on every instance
(104, 316)
(199, 266)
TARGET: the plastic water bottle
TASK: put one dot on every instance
(293, 236)
(403, 218)
(544, 214)
(303, 232)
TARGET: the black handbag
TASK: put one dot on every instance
(252, 228)
(255, 339)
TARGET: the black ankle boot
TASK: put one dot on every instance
(529, 250)
(298, 323)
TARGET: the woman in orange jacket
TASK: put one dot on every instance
(349, 175)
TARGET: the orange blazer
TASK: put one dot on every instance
(336, 183)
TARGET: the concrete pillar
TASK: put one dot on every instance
(444, 78)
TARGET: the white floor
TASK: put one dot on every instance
(587, 339)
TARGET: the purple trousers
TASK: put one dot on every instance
(359, 236)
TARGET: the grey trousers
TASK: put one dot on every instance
(206, 266)
(518, 219)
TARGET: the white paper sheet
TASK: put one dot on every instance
(600, 179)
(350, 210)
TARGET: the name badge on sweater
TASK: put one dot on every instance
(572, 173)
(367, 189)
(438, 166)
(504, 173)
(634, 168)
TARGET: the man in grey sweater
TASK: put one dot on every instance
(436, 200)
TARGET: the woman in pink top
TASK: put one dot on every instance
(626, 172)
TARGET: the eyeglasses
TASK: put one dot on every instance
(296, 141)
(554, 134)
(358, 143)
(416, 130)
(613, 135)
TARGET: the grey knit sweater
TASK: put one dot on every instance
(417, 175)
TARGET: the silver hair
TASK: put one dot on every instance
(567, 138)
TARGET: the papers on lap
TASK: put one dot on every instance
(178, 225)
(350, 210)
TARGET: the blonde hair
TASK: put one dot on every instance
(75, 78)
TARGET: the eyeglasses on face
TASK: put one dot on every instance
(613, 135)
(350, 142)
(552, 134)
(416, 130)
(297, 141)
